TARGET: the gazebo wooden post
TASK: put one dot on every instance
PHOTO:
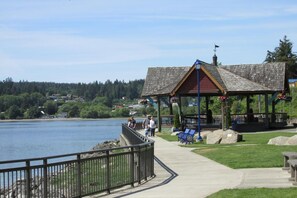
(170, 106)
(170, 110)
(248, 108)
(180, 111)
(227, 107)
(273, 118)
(223, 114)
(266, 112)
(207, 103)
(159, 114)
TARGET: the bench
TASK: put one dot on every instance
(182, 134)
(293, 167)
(288, 156)
(189, 137)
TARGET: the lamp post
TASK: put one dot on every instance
(198, 67)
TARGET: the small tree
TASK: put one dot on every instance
(51, 107)
(176, 121)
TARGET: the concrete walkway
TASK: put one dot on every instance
(186, 174)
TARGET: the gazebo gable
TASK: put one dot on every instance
(189, 86)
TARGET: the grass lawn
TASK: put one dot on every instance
(256, 192)
(252, 152)
(167, 136)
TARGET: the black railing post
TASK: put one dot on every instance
(28, 179)
(132, 166)
(45, 178)
(139, 165)
(152, 159)
(108, 171)
(145, 163)
(79, 187)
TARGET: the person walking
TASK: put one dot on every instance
(152, 126)
(146, 125)
(133, 123)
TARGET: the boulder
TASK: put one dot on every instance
(292, 140)
(223, 137)
(280, 140)
(215, 137)
(230, 137)
(218, 131)
(204, 134)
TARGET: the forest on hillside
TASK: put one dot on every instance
(93, 100)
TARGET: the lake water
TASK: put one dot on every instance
(30, 139)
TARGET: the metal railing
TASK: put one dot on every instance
(240, 118)
(79, 174)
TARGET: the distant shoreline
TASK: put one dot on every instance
(56, 119)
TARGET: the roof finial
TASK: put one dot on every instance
(215, 48)
(215, 58)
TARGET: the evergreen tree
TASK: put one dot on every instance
(284, 53)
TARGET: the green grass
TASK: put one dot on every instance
(263, 138)
(166, 135)
(246, 156)
(256, 193)
(252, 152)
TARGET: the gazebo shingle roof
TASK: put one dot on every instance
(234, 79)
(162, 80)
(271, 75)
(236, 84)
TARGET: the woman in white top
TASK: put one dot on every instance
(152, 126)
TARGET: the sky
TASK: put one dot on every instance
(71, 41)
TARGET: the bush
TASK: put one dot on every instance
(32, 112)
(14, 112)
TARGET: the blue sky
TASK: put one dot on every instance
(89, 40)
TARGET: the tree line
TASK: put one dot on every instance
(25, 99)
(116, 89)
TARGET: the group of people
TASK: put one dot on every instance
(149, 125)
(131, 122)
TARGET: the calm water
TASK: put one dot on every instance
(30, 139)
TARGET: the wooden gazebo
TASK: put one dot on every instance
(236, 80)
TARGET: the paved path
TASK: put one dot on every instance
(190, 175)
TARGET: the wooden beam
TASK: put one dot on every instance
(159, 114)
(266, 112)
